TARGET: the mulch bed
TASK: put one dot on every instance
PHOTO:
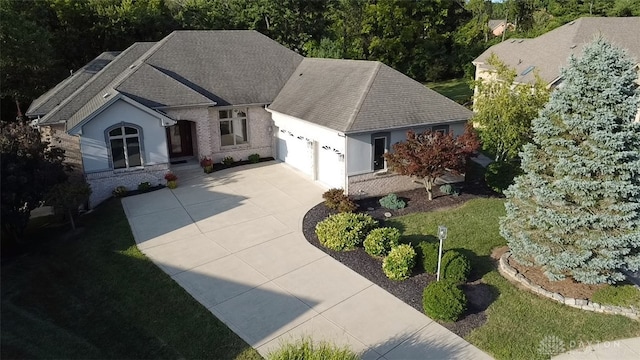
(479, 295)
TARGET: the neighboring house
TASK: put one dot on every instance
(498, 27)
(548, 53)
(127, 116)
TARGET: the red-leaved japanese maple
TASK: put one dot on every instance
(431, 154)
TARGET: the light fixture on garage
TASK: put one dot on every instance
(325, 147)
(336, 151)
(290, 133)
(300, 137)
(283, 131)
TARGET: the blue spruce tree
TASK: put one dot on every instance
(576, 210)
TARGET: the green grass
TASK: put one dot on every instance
(517, 320)
(619, 295)
(457, 90)
(96, 295)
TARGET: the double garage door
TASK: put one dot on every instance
(320, 162)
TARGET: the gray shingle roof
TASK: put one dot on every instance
(228, 66)
(68, 86)
(356, 96)
(495, 23)
(549, 52)
(95, 85)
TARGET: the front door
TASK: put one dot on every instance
(179, 139)
(379, 149)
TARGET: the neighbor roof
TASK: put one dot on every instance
(495, 23)
(232, 67)
(549, 52)
(68, 86)
(356, 96)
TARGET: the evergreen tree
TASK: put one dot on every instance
(576, 210)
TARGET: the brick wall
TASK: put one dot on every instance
(260, 128)
(103, 183)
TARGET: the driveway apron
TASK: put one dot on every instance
(233, 240)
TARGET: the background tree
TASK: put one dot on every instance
(504, 110)
(30, 167)
(431, 154)
(576, 210)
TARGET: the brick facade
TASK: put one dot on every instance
(260, 129)
(103, 183)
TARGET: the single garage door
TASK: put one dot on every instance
(330, 167)
(295, 151)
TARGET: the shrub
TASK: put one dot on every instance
(170, 176)
(380, 241)
(399, 263)
(618, 295)
(344, 231)
(228, 160)
(429, 256)
(144, 186)
(206, 161)
(335, 199)
(449, 190)
(455, 267)
(307, 350)
(254, 158)
(444, 300)
(500, 175)
(120, 191)
(392, 201)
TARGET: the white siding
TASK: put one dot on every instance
(93, 145)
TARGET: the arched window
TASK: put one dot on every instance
(124, 145)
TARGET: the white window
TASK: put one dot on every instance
(124, 146)
(233, 127)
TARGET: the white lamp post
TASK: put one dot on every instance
(442, 234)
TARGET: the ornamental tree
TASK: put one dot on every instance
(504, 110)
(431, 154)
(575, 211)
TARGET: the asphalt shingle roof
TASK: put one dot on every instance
(355, 96)
(549, 52)
(96, 85)
(68, 86)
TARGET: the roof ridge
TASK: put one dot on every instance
(162, 73)
(356, 111)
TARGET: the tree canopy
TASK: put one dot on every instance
(576, 210)
(431, 154)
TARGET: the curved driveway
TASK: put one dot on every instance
(233, 240)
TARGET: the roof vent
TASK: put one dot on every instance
(571, 23)
(132, 66)
(512, 41)
(106, 95)
(572, 46)
(520, 41)
(527, 70)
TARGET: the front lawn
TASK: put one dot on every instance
(517, 321)
(96, 295)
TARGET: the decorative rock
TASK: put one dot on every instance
(370, 209)
(387, 214)
(581, 302)
(557, 297)
(569, 301)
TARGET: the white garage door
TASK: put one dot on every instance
(330, 168)
(295, 151)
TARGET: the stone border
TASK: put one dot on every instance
(512, 274)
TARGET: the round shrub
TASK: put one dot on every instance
(444, 300)
(380, 241)
(500, 175)
(399, 263)
(344, 231)
(308, 350)
(429, 256)
(455, 267)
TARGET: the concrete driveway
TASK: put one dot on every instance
(233, 240)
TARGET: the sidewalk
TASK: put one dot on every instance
(614, 349)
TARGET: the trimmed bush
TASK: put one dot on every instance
(228, 160)
(399, 263)
(335, 199)
(380, 241)
(429, 256)
(305, 349)
(618, 295)
(254, 158)
(455, 267)
(144, 186)
(392, 202)
(120, 191)
(500, 174)
(444, 300)
(449, 190)
(344, 231)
